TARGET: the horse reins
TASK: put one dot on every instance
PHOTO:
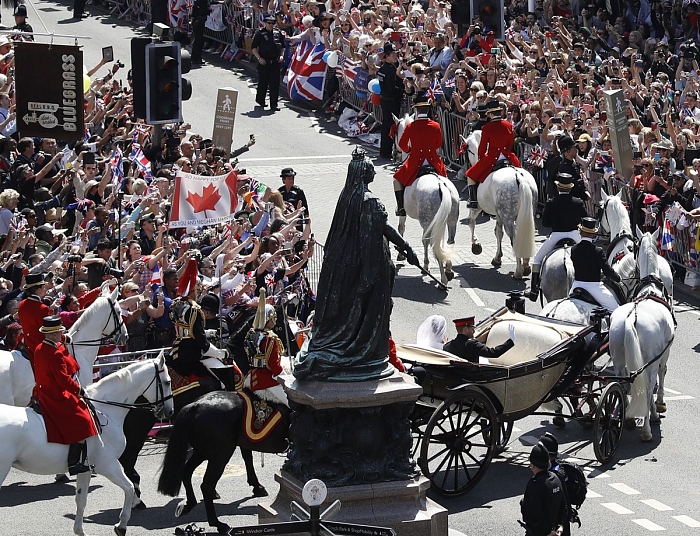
(118, 323)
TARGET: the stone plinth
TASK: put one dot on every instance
(356, 437)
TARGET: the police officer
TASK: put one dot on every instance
(391, 86)
(563, 213)
(268, 49)
(421, 140)
(467, 347)
(200, 12)
(22, 25)
(497, 141)
(590, 264)
(291, 193)
(551, 443)
(567, 150)
(543, 507)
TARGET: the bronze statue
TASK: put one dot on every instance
(350, 335)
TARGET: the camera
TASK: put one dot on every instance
(669, 180)
(75, 258)
(657, 172)
(113, 272)
(121, 65)
(477, 30)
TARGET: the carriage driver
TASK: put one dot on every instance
(589, 265)
(469, 348)
(264, 350)
(421, 140)
(563, 214)
(497, 139)
(67, 417)
(191, 346)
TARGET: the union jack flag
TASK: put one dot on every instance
(434, 91)
(18, 224)
(306, 76)
(538, 157)
(348, 69)
(668, 233)
(449, 83)
(117, 164)
(138, 158)
(510, 32)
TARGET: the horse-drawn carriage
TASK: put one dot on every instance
(466, 413)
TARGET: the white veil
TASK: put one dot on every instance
(431, 333)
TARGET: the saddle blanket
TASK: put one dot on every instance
(180, 384)
(259, 417)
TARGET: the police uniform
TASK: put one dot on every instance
(543, 507)
(200, 12)
(471, 349)
(31, 311)
(391, 93)
(294, 194)
(24, 27)
(562, 214)
(270, 46)
(589, 265)
(264, 349)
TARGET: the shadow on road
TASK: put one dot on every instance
(20, 493)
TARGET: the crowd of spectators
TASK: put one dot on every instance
(67, 213)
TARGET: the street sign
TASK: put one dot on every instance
(619, 133)
(337, 527)
(49, 81)
(224, 117)
(291, 527)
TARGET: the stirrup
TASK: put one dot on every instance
(533, 294)
(79, 468)
(400, 211)
(473, 203)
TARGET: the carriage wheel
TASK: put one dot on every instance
(459, 442)
(608, 423)
(419, 420)
(505, 429)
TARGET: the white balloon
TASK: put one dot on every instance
(332, 59)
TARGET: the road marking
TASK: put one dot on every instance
(617, 508)
(596, 473)
(333, 136)
(472, 294)
(689, 521)
(624, 488)
(592, 494)
(656, 505)
(515, 428)
(672, 391)
(529, 440)
(649, 525)
(316, 157)
(679, 397)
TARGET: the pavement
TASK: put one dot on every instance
(651, 486)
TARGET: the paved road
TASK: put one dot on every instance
(654, 486)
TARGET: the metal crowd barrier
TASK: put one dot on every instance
(684, 253)
(313, 267)
(106, 364)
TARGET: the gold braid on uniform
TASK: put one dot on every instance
(183, 321)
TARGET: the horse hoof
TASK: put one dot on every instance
(183, 509)
(451, 242)
(495, 263)
(401, 257)
(647, 437)
(516, 276)
(140, 505)
(559, 422)
(527, 271)
(119, 531)
(259, 491)
(655, 419)
(450, 276)
(62, 479)
(222, 528)
(477, 249)
(630, 424)
(660, 407)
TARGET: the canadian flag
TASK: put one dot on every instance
(203, 200)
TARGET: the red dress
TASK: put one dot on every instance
(66, 415)
(262, 378)
(421, 140)
(31, 315)
(497, 139)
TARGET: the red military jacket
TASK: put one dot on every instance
(270, 350)
(497, 139)
(66, 415)
(31, 314)
(421, 140)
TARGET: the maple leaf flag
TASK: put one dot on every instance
(203, 200)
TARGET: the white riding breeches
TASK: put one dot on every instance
(600, 293)
(549, 244)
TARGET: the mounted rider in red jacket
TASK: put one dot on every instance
(421, 139)
(497, 139)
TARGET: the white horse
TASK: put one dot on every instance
(509, 194)
(433, 201)
(615, 220)
(641, 334)
(557, 274)
(101, 319)
(23, 443)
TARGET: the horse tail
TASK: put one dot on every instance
(8, 4)
(524, 242)
(176, 455)
(436, 230)
(639, 402)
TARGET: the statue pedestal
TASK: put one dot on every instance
(356, 437)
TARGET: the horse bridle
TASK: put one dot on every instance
(118, 323)
(156, 407)
(602, 212)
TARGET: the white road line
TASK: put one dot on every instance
(672, 391)
(656, 505)
(491, 310)
(689, 521)
(649, 525)
(515, 428)
(529, 440)
(472, 294)
(590, 494)
(617, 508)
(624, 488)
(344, 157)
(679, 397)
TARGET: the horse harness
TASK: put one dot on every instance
(118, 323)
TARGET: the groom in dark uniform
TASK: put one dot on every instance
(467, 347)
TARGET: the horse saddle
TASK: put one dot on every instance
(230, 376)
(181, 383)
(561, 243)
(260, 417)
(502, 163)
(425, 169)
(583, 295)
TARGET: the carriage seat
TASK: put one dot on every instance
(531, 340)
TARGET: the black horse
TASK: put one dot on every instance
(213, 427)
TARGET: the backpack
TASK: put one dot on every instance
(575, 486)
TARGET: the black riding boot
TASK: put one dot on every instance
(76, 451)
(534, 287)
(473, 201)
(400, 211)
